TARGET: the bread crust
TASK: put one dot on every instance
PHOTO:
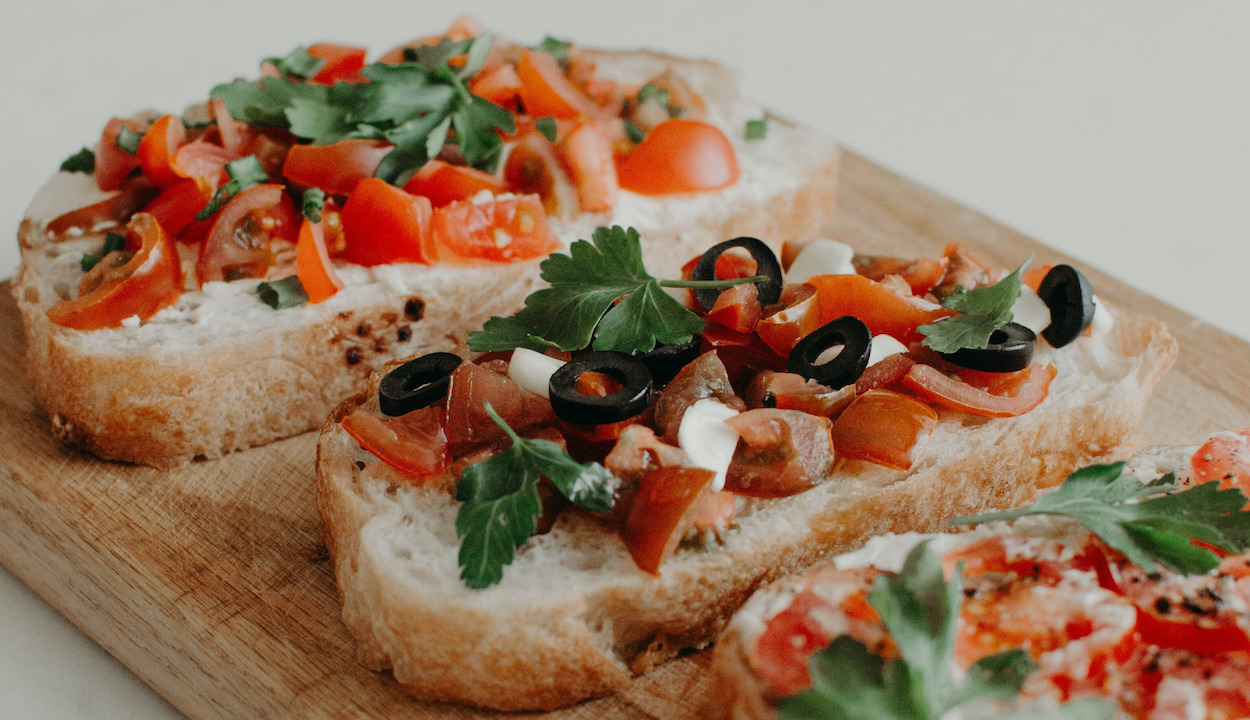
(598, 617)
(120, 395)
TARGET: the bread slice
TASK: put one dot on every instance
(575, 618)
(219, 371)
(739, 692)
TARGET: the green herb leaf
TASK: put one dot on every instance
(475, 60)
(436, 57)
(649, 91)
(112, 242)
(129, 140)
(284, 293)
(475, 124)
(318, 121)
(546, 126)
(502, 504)
(413, 142)
(246, 172)
(82, 161)
(297, 63)
(1154, 530)
(556, 48)
(757, 129)
(982, 311)
(632, 131)
(313, 202)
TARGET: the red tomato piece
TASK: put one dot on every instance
(680, 156)
(546, 91)
(782, 330)
(335, 168)
(500, 85)
(587, 154)
(156, 150)
(504, 230)
(178, 204)
(885, 374)
(881, 307)
(238, 245)
(534, 167)
(414, 443)
(472, 386)
(383, 224)
(141, 280)
(935, 387)
(312, 263)
(444, 183)
(112, 164)
(884, 427)
(1187, 634)
(105, 214)
(342, 63)
(662, 512)
(789, 639)
(201, 160)
(1225, 457)
(737, 308)
(921, 275)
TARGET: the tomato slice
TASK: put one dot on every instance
(534, 167)
(1187, 634)
(383, 224)
(505, 230)
(238, 245)
(141, 280)
(500, 85)
(587, 153)
(885, 374)
(106, 214)
(1225, 457)
(789, 640)
(414, 443)
(921, 275)
(178, 204)
(881, 307)
(884, 427)
(932, 385)
(662, 512)
(156, 150)
(680, 156)
(312, 263)
(335, 168)
(546, 91)
(737, 308)
(202, 160)
(112, 164)
(342, 63)
(444, 183)
(782, 330)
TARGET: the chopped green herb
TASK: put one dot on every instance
(558, 49)
(632, 131)
(649, 91)
(112, 242)
(82, 161)
(757, 129)
(298, 63)
(313, 203)
(547, 126)
(982, 311)
(284, 293)
(246, 172)
(1158, 529)
(502, 504)
(129, 140)
(598, 290)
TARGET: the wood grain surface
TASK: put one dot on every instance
(211, 581)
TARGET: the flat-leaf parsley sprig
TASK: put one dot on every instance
(502, 503)
(981, 312)
(1143, 522)
(600, 291)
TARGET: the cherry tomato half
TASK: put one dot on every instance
(414, 443)
(178, 204)
(312, 263)
(156, 150)
(661, 513)
(503, 230)
(383, 224)
(883, 308)
(238, 245)
(680, 156)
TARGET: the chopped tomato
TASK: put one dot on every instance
(884, 427)
(234, 134)
(732, 266)
(312, 263)
(270, 151)
(500, 85)
(503, 230)
(882, 308)
(472, 386)
(703, 378)
(788, 391)
(414, 443)
(587, 153)
(1225, 457)
(106, 214)
(335, 168)
(742, 353)
(782, 453)
(342, 63)
(202, 160)
(238, 245)
(596, 384)
(782, 330)
(885, 374)
(534, 167)
(383, 224)
(935, 387)
(546, 91)
(680, 156)
(140, 281)
(662, 512)
(178, 204)
(964, 269)
(921, 275)
(737, 308)
(156, 150)
(112, 164)
(990, 556)
(1190, 633)
(444, 183)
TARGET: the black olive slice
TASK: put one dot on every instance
(1070, 297)
(1010, 349)
(417, 383)
(765, 264)
(856, 341)
(665, 361)
(572, 406)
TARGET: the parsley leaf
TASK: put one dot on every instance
(298, 63)
(244, 173)
(1158, 529)
(919, 609)
(312, 203)
(112, 242)
(598, 290)
(632, 131)
(129, 140)
(982, 311)
(502, 504)
(556, 48)
(547, 126)
(284, 293)
(82, 161)
(649, 91)
(476, 123)
(757, 129)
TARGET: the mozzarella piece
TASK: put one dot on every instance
(1103, 322)
(821, 257)
(1030, 311)
(883, 346)
(533, 370)
(707, 440)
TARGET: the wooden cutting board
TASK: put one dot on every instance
(211, 582)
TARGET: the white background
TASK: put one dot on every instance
(1114, 131)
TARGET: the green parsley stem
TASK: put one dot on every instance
(503, 424)
(711, 284)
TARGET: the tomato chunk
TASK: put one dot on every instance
(444, 183)
(1225, 457)
(546, 91)
(238, 245)
(884, 427)
(202, 161)
(504, 230)
(414, 443)
(156, 150)
(112, 164)
(881, 307)
(921, 275)
(178, 204)
(335, 168)
(930, 384)
(662, 512)
(313, 265)
(587, 153)
(383, 224)
(342, 63)
(680, 156)
(106, 214)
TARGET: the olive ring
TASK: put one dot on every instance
(1070, 297)
(417, 383)
(769, 289)
(1010, 349)
(665, 361)
(856, 341)
(632, 398)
